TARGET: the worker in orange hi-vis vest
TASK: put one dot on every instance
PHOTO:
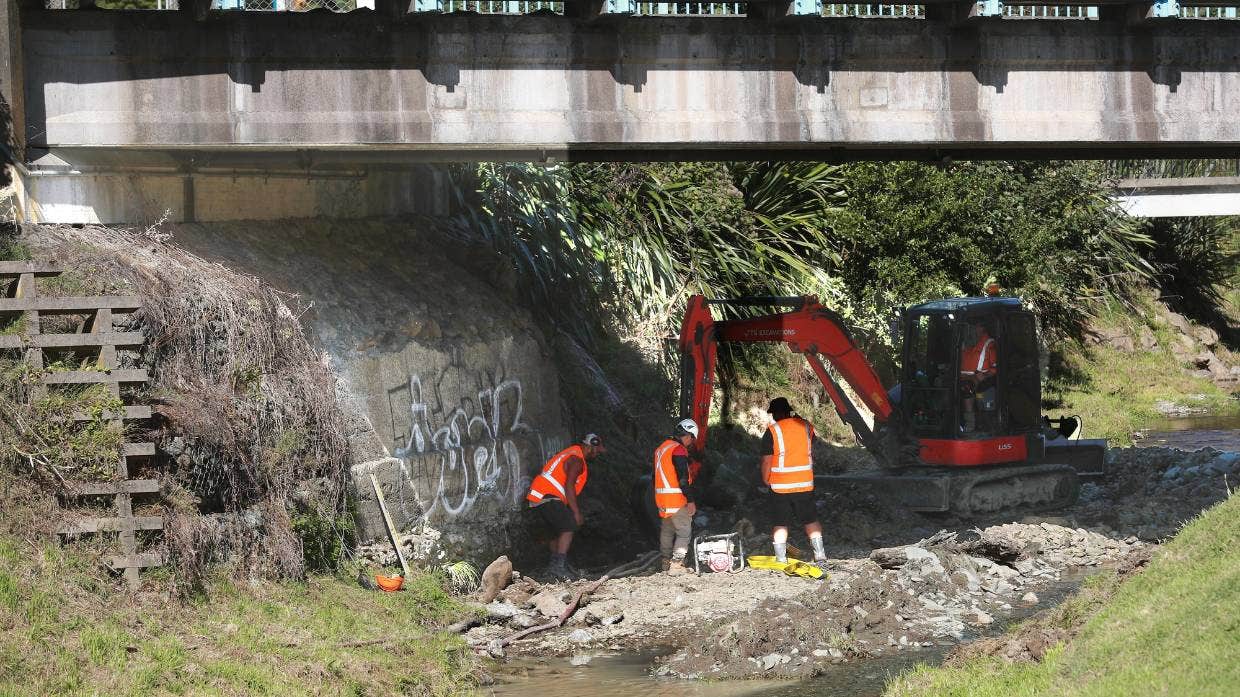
(788, 469)
(674, 495)
(553, 494)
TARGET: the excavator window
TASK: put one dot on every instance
(928, 383)
(1020, 382)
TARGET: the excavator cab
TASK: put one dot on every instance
(970, 375)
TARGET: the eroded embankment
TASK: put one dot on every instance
(942, 589)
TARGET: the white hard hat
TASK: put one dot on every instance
(687, 426)
(591, 439)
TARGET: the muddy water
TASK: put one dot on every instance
(1193, 432)
(617, 675)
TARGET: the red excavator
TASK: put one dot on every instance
(961, 432)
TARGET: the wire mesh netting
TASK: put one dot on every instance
(693, 8)
(1050, 11)
(858, 10)
(492, 7)
(292, 5)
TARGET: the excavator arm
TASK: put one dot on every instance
(809, 329)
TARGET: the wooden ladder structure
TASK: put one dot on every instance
(101, 335)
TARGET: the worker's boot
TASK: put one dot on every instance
(676, 567)
(557, 568)
(665, 564)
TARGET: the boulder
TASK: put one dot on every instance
(495, 578)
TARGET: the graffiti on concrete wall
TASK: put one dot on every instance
(467, 441)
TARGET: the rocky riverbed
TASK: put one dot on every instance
(876, 598)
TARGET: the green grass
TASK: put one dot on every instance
(1173, 629)
(1115, 392)
(1119, 391)
(71, 630)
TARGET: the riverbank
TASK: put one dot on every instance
(1170, 629)
(68, 629)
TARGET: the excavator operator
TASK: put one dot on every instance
(979, 364)
(788, 469)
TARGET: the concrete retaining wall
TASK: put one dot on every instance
(456, 396)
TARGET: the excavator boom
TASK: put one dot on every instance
(809, 329)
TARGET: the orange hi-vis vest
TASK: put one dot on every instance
(979, 358)
(668, 496)
(792, 468)
(552, 480)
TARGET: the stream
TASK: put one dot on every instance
(1193, 432)
(611, 674)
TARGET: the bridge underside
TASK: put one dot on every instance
(158, 91)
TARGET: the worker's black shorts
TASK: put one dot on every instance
(789, 510)
(556, 516)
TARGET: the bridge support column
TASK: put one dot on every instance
(957, 12)
(392, 9)
(1140, 12)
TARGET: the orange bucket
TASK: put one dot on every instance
(391, 584)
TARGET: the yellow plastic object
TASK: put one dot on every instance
(792, 567)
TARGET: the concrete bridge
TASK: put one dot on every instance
(158, 101)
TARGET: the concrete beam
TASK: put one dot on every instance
(1180, 196)
(448, 87)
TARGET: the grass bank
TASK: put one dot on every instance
(69, 630)
(1115, 391)
(1173, 629)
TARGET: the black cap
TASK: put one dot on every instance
(779, 405)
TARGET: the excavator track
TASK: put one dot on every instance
(971, 492)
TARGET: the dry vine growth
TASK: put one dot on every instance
(248, 407)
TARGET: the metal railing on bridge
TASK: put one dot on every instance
(990, 8)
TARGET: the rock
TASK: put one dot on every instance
(580, 659)
(1172, 473)
(1179, 322)
(499, 610)
(524, 620)
(549, 603)
(585, 618)
(1147, 339)
(1192, 471)
(580, 636)
(495, 649)
(495, 578)
(981, 617)
(1206, 336)
(613, 619)
(835, 653)
(897, 557)
(822, 653)
(771, 660)
(1030, 597)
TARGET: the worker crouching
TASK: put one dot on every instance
(674, 496)
(788, 469)
(553, 494)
